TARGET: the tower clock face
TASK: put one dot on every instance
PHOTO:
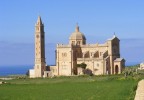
(37, 36)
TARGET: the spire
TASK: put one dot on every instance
(77, 28)
(114, 35)
(39, 21)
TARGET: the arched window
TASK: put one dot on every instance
(78, 42)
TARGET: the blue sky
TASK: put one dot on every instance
(98, 20)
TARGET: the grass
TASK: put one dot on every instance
(70, 88)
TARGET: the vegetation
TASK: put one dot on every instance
(133, 66)
(133, 71)
(84, 69)
(84, 87)
(112, 87)
(82, 65)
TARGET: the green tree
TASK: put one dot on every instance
(82, 65)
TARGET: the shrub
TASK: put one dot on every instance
(82, 65)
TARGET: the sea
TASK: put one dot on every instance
(23, 69)
(15, 70)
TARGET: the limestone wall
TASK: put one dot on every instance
(64, 61)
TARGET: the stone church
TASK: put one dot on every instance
(100, 59)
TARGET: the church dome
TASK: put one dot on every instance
(77, 35)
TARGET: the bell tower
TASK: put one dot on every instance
(40, 64)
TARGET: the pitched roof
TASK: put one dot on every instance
(114, 37)
(119, 59)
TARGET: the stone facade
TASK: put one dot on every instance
(141, 66)
(40, 64)
(100, 58)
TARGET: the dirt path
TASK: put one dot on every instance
(140, 91)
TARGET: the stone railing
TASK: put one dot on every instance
(63, 45)
(83, 46)
(86, 59)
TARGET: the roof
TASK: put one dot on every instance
(39, 21)
(119, 59)
(114, 37)
(77, 34)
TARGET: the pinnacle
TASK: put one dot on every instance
(77, 28)
(39, 21)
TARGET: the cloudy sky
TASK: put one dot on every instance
(98, 20)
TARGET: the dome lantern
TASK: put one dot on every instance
(77, 38)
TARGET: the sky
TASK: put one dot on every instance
(97, 19)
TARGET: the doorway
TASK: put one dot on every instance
(116, 69)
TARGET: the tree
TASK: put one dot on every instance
(82, 65)
(129, 72)
(84, 70)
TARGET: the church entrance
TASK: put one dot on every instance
(116, 69)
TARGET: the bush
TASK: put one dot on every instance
(88, 72)
(82, 65)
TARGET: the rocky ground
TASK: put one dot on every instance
(140, 91)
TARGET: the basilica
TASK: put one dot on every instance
(100, 59)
